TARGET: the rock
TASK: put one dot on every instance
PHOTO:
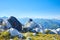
(34, 34)
(50, 31)
(11, 39)
(2, 28)
(33, 27)
(58, 30)
(53, 31)
(28, 38)
(6, 24)
(14, 32)
(30, 24)
(15, 23)
(1, 20)
(27, 34)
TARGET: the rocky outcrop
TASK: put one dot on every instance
(15, 23)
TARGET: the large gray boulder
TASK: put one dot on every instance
(15, 23)
(50, 31)
(58, 30)
(14, 32)
(33, 26)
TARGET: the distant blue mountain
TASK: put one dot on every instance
(23, 20)
(4, 17)
(49, 23)
(45, 23)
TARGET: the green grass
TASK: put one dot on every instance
(6, 36)
(43, 36)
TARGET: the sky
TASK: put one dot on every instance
(30, 8)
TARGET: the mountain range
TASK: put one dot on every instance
(45, 23)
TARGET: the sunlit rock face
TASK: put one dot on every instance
(58, 30)
(7, 24)
(51, 31)
(1, 28)
(14, 32)
(32, 26)
(4, 25)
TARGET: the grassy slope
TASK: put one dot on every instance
(44, 36)
(39, 36)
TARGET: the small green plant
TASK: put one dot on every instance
(47, 32)
(15, 38)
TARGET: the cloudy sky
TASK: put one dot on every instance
(30, 8)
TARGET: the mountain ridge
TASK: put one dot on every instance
(46, 23)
